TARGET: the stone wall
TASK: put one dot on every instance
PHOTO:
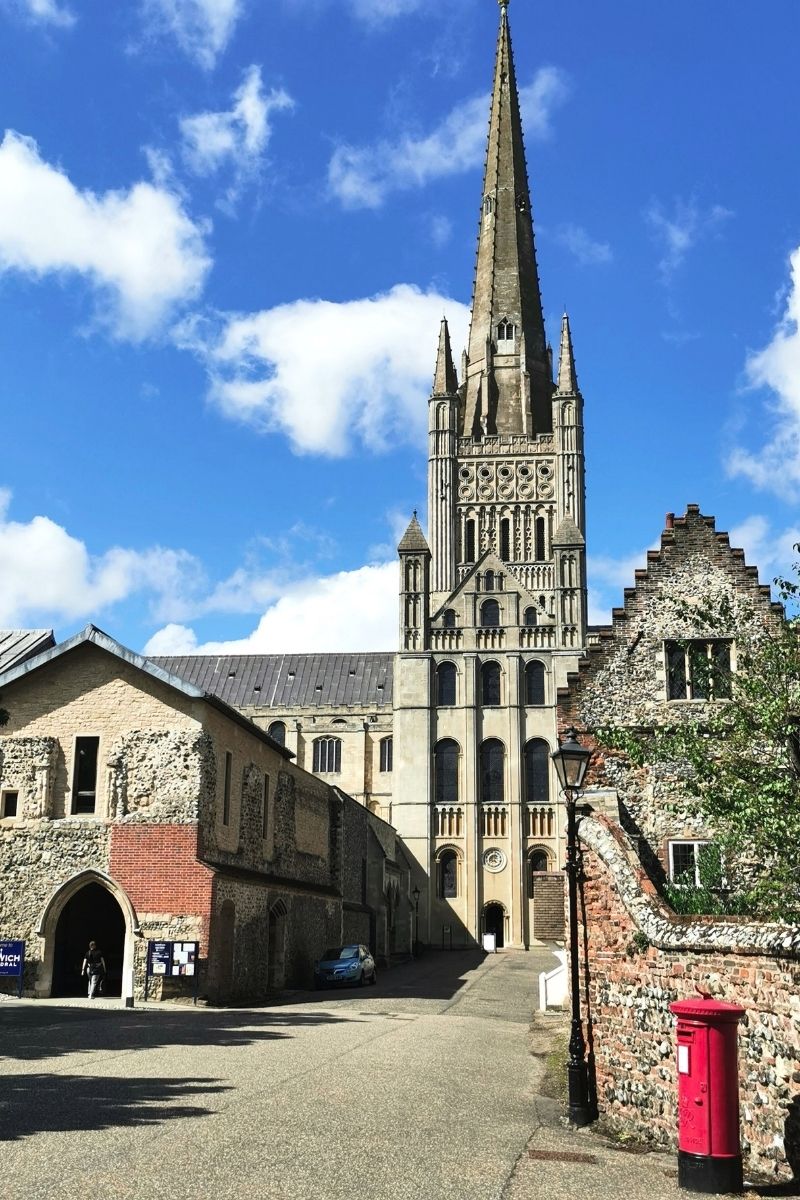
(639, 957)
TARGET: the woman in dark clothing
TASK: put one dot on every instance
(94, 965)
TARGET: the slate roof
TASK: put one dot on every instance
(18, 644)
(287, 681)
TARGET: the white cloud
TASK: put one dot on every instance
(349, 611)
(327, 374)
(240, 135)
(202, 28)
(48, 573)
(138, 248)
(775, 466)
(45, 12)
(772, 552)
(586, 251)
(681, 231)
(363, 176)
(370, 12)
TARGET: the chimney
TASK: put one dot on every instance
(670, 521)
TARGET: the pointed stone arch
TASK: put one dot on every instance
(54, 907)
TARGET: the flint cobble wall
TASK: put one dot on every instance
(640, 957)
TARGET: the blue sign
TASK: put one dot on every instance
(170, 960)
(12, 958)
(12, 961)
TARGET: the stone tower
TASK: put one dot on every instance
(493, 605)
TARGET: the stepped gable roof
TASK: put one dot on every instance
(17, 645)
(680, 537)
(413, 538)
(287, 681)
(91, 635)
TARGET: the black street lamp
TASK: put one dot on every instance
(571, 760)
(416, 894)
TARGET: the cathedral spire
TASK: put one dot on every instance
(445, 381)
(508, 380)
(567, 384)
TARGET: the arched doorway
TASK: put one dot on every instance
(91, 914)
(494, 921)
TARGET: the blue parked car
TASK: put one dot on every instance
(345, 964)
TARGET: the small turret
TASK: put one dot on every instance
(415, 563)
(445, 380)
(567, 382)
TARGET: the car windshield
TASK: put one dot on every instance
(341, 952)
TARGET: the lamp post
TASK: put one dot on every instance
(571, 760)
(416, 894)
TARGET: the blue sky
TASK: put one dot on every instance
(228, 230)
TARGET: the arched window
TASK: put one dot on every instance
(445, 772)
(490, 683)
(449, 618)
(445, 685)
(488, 206)
(505, 332)
(469, 540)
(529, 619)
(277, 731)
(538, 862)
(327, 756)
(505, 539)
(488, 581)
(447, 875)
(490, 614)
(541, 547)
(534, 684)
(387, 750)
(492, 771)
(537, 772)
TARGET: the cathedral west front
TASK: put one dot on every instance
(450, 739)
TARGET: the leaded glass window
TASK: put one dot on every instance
(492, 771)
(445, 772)
(537, 772)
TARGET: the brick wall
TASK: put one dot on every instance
(158, 868)
(548, 907)
(640, 958)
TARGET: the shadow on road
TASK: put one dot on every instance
(31, 1104)
(437, 975)
(29, 1032)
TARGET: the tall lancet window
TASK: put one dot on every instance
(469, 540)
(505, 539)
(541, 541)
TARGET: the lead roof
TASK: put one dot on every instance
(287, 681)
(17, 645)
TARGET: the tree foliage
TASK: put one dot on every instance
(741, 759)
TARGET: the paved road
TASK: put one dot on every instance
(422, 1087)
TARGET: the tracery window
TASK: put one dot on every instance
(537, 772)
(698, 670)
(327, 756)
(505, 331)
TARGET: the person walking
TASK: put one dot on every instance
(94, 966)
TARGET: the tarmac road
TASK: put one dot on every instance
(422, 1086)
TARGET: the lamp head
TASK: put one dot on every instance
(571, 760)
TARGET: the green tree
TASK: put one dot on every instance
(740, 757)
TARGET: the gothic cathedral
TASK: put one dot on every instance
(493, 605)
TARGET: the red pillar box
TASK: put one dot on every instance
(709, 1149)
